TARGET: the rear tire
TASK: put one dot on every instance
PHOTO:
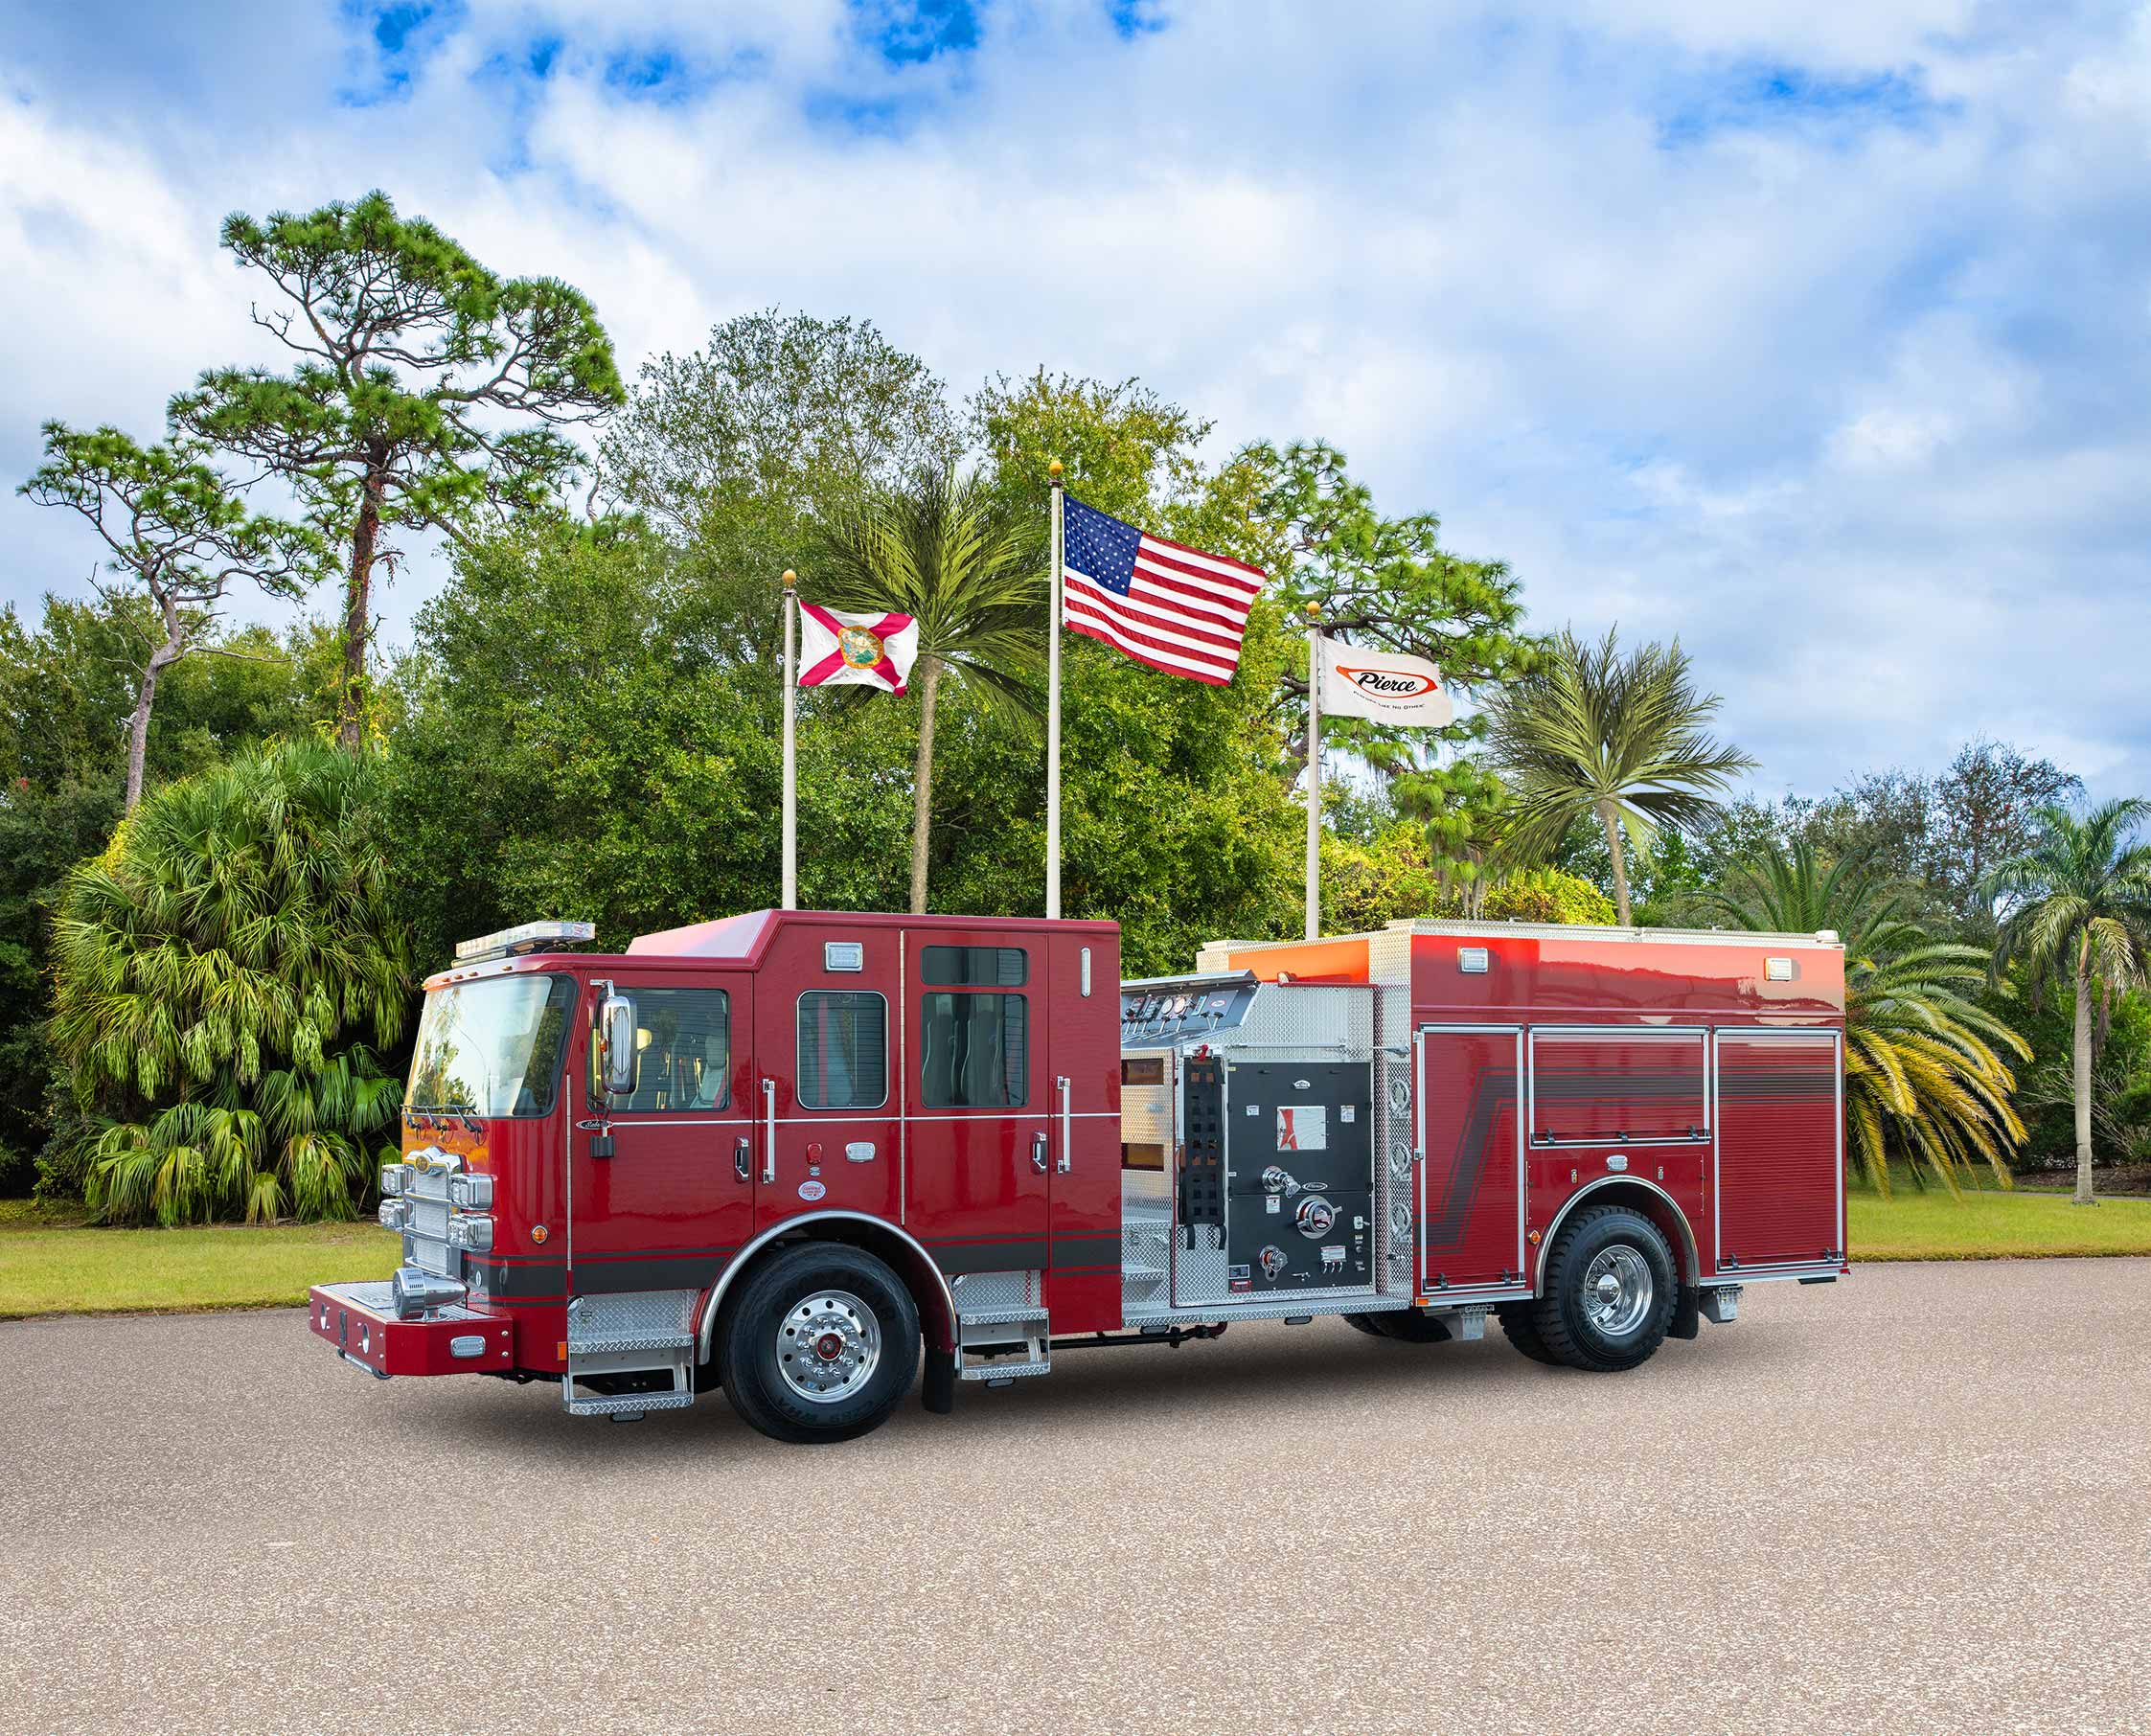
(1611, 1291)
(822, 1345)
(1363, 1323)
(1411, 1326)
(1521, 1329)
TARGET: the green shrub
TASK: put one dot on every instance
(225, 974)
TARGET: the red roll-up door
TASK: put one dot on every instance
(1780, 1156)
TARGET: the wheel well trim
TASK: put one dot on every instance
(1694, 1272)
(746, 1256)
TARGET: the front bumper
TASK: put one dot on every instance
(359, 1322)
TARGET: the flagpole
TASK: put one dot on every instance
(1313, 771)
(790, 768)
(1053, 711)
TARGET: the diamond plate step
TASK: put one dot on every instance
(1010, 1368)
(608, 1343)
(1006, 1316)
(617, 1403)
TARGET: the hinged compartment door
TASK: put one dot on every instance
(1778, 1186)
(1471, 1167)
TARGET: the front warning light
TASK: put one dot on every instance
(392, 1178)
(472, 1234)
(470, 1192)
(394, 1214)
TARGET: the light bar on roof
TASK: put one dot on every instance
(528, 937)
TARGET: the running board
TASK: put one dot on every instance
(637, 1332)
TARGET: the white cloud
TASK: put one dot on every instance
(1814, 334)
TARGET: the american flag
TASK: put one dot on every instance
(1163, 604)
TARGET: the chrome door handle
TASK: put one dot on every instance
(742, 1157)
(769, 1124)
(1037, 1153)
(1068, 1162)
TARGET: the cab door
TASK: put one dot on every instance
(675, 1199)
(826, 1135)
(979, 1098)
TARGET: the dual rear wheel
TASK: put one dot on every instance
(1610, 1290)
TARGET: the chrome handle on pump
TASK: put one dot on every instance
(1066, 1162)
(769, 1124)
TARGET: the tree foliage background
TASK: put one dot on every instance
(585, 722)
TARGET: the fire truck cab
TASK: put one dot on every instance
(794, 1154)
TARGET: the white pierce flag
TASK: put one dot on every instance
(1383, 686)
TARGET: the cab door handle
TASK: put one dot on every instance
(1068, 1160)
(1037, 1153)
(770, 1123)
(742, 1157)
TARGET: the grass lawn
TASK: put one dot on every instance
(1988, 1224)
(52, 1264)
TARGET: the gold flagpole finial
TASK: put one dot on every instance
(1053, 468)
(1314, 612)
(790, 578)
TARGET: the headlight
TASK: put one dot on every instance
(392, 1179)
(474, 1235)
(394, 1214)
(470, 1192)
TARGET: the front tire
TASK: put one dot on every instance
(822, 1345)
(1611, 1291)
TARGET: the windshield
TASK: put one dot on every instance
(492, 1047)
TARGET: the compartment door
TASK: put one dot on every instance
(1778, 1182)
(1470, 1169)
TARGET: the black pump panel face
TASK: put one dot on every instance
(1299, 1156)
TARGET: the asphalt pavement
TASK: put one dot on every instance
(1917, 1501)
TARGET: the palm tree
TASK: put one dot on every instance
(1593, 732)
(944, 550)
(2080, 908)
(217, 973)
(1922, 1075)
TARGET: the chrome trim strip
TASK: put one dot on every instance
(739, 1260)
(1553, 1229)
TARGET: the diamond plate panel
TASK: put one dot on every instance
(990, 1293)
(632, 1314)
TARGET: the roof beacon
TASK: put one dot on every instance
(528, 937)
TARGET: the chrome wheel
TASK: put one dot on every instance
(828, 1346)
(1618, 1290)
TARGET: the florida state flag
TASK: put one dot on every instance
(837, 647)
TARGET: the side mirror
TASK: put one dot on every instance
(617, 1057)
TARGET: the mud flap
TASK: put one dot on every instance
(937, 1384)
(1687, 1314)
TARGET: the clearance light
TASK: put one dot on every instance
(473, 1235)
(527, 938)
(471, 1193)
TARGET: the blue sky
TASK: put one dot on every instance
(1818, 335)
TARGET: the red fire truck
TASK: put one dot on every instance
(791, 1153)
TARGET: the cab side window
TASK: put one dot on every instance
(973, 1046)
(843, 1049)
(685, 1040)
